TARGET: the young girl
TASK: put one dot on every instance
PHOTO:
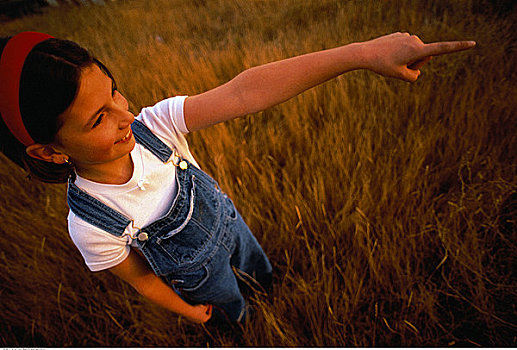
(139, 204)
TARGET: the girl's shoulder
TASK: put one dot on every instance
(166, 120)
(166, 115)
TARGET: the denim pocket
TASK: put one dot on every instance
(191, 240)
(190, 281)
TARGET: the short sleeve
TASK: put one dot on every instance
(99, 249)
(169, 113)
(167, 121)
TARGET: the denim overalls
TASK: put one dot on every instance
(199, 245)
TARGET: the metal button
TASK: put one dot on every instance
(143, 236)
(183, 165)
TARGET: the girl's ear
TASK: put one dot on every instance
(46, 153)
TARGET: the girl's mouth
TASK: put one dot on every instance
(126, 138)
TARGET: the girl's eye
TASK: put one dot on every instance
(113, 88)
(98, 121)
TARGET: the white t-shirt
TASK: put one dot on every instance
(146, 197)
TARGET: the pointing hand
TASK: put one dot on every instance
(401, 55)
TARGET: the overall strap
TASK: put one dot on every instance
(98, 214)
(146, 138)
(94, 212)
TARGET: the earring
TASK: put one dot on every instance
(67, 162)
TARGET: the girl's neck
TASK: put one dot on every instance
(117, 172)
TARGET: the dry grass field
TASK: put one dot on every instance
(387, 209)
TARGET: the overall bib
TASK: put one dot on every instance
(199, 245)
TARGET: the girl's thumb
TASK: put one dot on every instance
(419, 64)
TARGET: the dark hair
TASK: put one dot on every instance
(48, 85)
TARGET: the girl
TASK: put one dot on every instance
(139, 204)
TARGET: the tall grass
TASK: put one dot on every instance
(387, 209)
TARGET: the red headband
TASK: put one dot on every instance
(11, 64)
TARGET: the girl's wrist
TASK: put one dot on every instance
(197, 313)
(349, 57)
(364, 56)
(189, 311)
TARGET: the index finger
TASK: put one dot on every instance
(444, 47)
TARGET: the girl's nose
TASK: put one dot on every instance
(120, 100)
(126, 119)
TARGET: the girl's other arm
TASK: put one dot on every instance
(138, 274)
(397, 55)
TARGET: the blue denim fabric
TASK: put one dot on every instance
(198, 246)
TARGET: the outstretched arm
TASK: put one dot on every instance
(397, 55)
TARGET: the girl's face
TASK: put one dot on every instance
(96, 132)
